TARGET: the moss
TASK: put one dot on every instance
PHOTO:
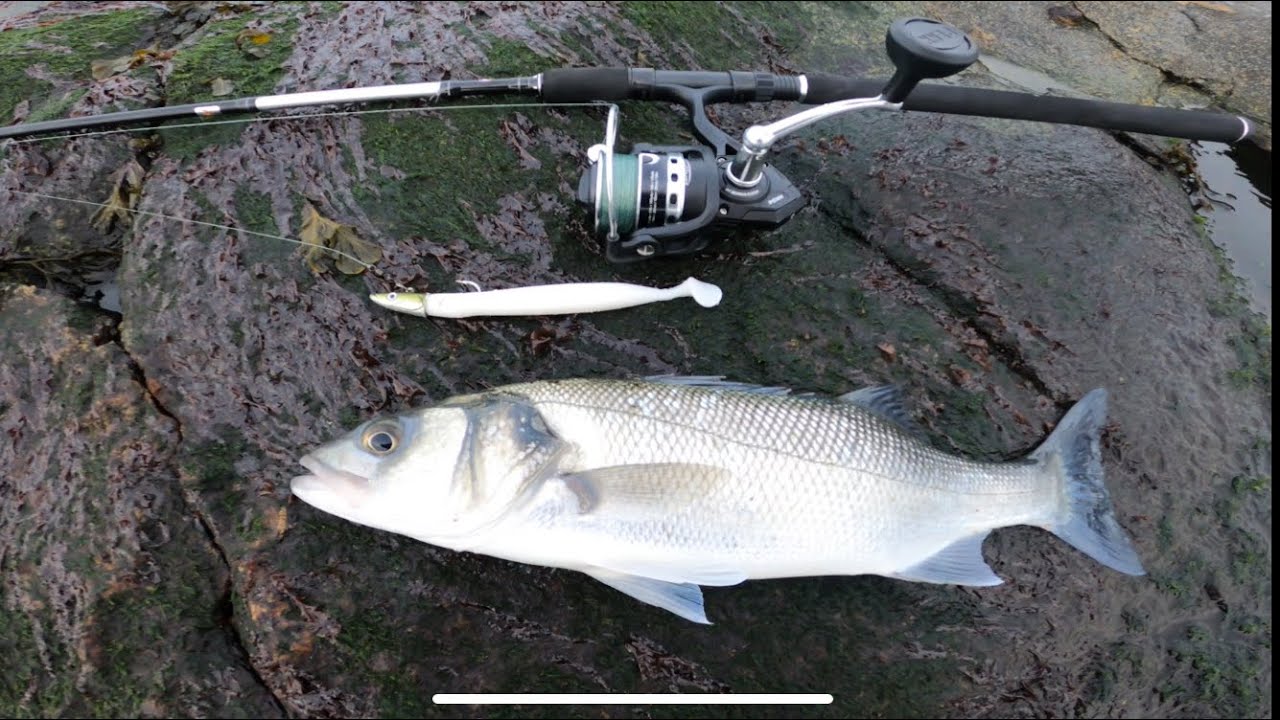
(217, 55)
(720, 36)
(1253, 351)
(1252, 342)
(54, 107)
(152, 640)
(253, 213)
(364, 639)
(506, 58)
(96, 37)
(26, 689)
(967, 424)
(1250, 559)
(1182, 579)
(428, 150)
(1220, 673)
(349, 417)
(1246, 484)
(212, 464)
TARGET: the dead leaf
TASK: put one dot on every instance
(221, 87)
(322, 236)
(103, 69)
(125, 192)
(1066, 16)
(346, 241)
(253, 42)
(540, 340)
(982, 37)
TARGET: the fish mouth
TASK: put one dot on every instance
(330, 489)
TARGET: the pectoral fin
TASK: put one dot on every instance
(640, 495)
(959, 563)
(631, 491)
(683, 599)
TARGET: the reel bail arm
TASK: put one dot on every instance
(919, 47)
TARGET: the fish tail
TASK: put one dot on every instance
(1086, 518)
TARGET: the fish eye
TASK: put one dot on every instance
(382, 438)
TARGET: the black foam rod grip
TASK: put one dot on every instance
(1188, 124)
(585, 84)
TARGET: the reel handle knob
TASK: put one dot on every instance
(921, 49)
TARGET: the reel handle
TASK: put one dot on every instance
(922, 49)
(919, 47)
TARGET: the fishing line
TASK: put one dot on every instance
(660, 200)
(241, 121)
(300, 116)
(230, 228)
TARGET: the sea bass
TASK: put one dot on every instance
(656, 487)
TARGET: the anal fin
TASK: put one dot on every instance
(959, 563)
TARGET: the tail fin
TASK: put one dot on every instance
(1086, 518)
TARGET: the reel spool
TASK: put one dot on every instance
(653, 200)
(649, 190)
(675, 200)
(670, 200)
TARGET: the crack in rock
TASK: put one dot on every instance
(1169, 76)
(225, 605)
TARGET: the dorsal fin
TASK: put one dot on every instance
(885, 401)
(716, 382)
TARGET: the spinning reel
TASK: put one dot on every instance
(660, 200)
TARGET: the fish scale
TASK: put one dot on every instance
(809, 478)
(655, 487)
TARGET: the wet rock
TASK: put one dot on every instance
(1220, 48)
(1007, 268)
(1182, 54)
(114, 601)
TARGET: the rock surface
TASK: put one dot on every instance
(153, 562)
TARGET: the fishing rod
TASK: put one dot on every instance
(665, 200)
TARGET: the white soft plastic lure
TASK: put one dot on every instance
(560, 299)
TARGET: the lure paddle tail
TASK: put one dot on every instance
(559, 299)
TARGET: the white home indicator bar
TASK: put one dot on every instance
(630, 699)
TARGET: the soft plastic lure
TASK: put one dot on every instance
(560, 299)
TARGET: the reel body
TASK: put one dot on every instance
(673, 200)
(664, 200)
